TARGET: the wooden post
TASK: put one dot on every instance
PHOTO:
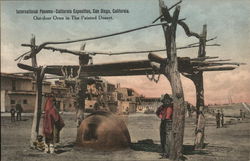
(197, 79)
(82, 89)
(38, 74)
(200, 118)
(173, 75)
(202, 42)
(198, 82)
(81, 101)
(81, 95)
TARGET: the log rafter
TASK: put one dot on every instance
(141, 67)
(79, 53)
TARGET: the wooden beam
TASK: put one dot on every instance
(27, 67)
(218, 60)
(40, 47)
(211, 39)
(155, 58)
(119, 65)
(126, 68)
(215, 68)
(129, 72)
(204, 58)
(78, 53)
(207, 64)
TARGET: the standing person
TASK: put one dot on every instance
(189, 110)
(222, 119)
(12, 114)
(52, 125)
(218, 115)
(244, 115)
(165, 112)
(19, 111)
(241, 114)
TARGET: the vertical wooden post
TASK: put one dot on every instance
(197, 79)
(81, 101)
(173, 75)
(198, 82)
(37, 109)
(81, 95)
(202, 44)
(39, 81)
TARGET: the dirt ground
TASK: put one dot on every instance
(231, 143)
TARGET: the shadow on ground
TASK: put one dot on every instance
(189, 150)
(24, 120)
(148, 145)
(65, 147)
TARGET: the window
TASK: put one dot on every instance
(12, 102)
(25, 101)
(130, 92)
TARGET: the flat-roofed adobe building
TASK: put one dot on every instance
(16, 88)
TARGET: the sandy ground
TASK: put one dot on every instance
(231, 143)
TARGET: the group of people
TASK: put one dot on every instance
(52, 125)
(16, 113)
(219, 119)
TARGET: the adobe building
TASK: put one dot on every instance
(101, 91)
(65, 96)
(128, 99)
(117, 99)
(19, 89)
(148, 104)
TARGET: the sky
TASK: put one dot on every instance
(227, 19)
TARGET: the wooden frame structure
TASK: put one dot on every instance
(171, 66)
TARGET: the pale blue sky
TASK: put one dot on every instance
(227, 19)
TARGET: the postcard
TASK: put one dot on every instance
(125, 80)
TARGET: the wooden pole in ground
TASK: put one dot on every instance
(173, 75)
(81, 95)
(38, 74)
(39, 81)
(82, 89)
(198, 82)
(197, 79)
